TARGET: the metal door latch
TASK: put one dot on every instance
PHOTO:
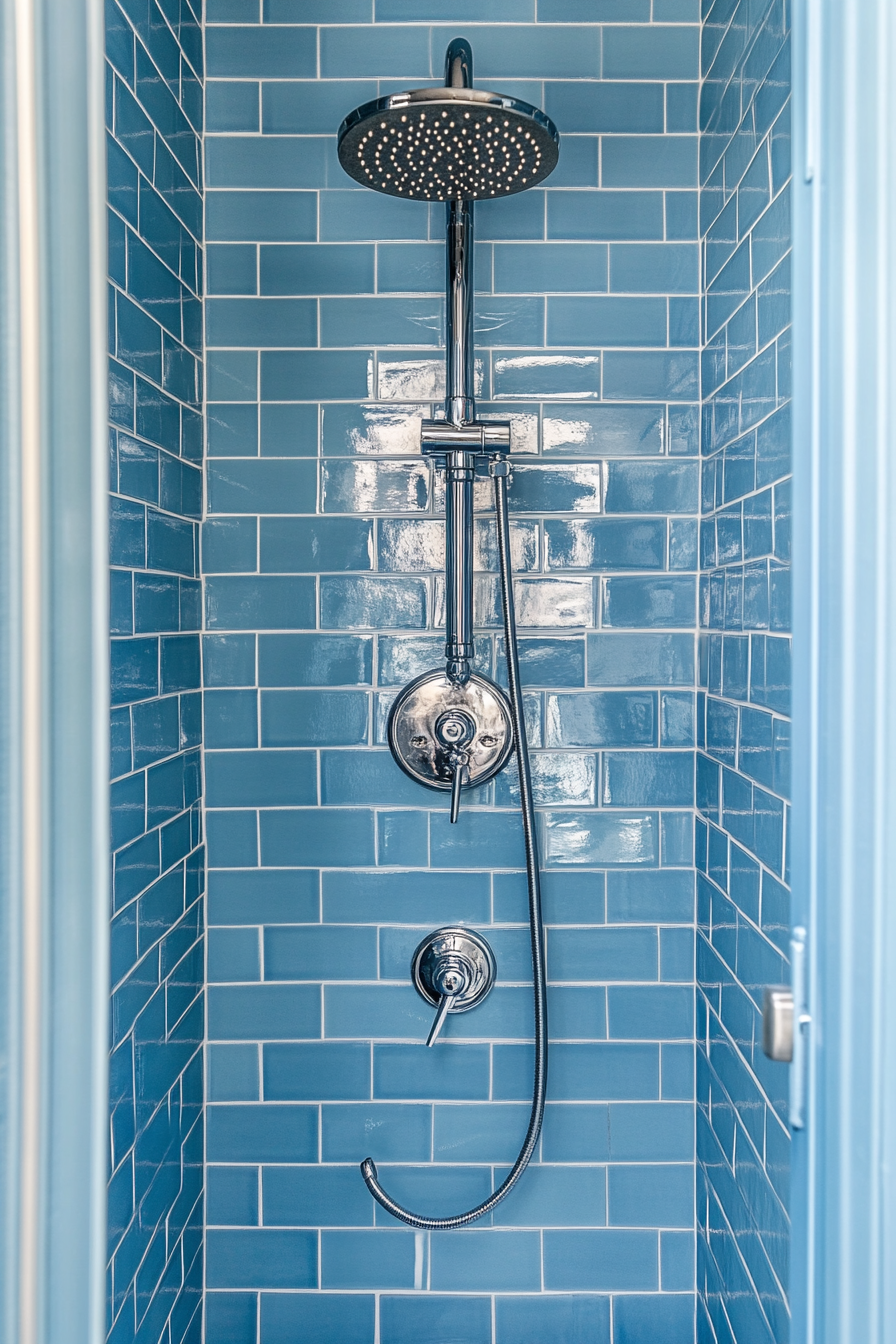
(784, 1024)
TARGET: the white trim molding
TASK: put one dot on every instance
(844, 867)
(53, 674)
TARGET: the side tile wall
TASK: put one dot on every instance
(323, 556)
(744, 730)
(154, 120)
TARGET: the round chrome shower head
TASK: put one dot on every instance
(447, 144)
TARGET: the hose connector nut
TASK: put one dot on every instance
(499, 466)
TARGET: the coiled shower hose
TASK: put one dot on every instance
(536, 926)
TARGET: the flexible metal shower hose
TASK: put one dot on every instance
(536, 926)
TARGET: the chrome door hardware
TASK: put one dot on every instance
(777, 1023)
(453, 969)
(451, 735)
(785, 1022)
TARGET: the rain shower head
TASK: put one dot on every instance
(451, 143)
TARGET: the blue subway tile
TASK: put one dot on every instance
(314, 1196)
(650, 375)
(570, 1317)
(231, 1196)
(607, 320)
(271, 1012)
(453, 1072)
(535, 267)
(406, 897)
(229, 545)
(647, 779)
(590, 954)
(649, 268)
(651, 487)
(352, 216)
(261, 322)
(261, 216)
(666, 1316)
(640, 659)
(309, 107)
(265, 1133)
(327, 839)
(605, 215)
(600, 718)
(328, 1071)
(600, 1260)
(284, 161)
(435, 1318)
(232, 1073)
(604, 840)
(231, 105)
(402, 838)
(288, 431)
(271, 51)
(261, 1258)
(380, 1259)
(263, 897)
(650, 1196)
(230, 719)
(599, 1071)
(340, 1318)
(540, 375)
(386, 1131)
(308, 545)
(557, 1196)
(487, 1132)
(261, 779)
(650, 161)
(491, 839)
(232, 430)
(645, 1012)
(486, 1261)
(320, 953)
(313, 718)
(655, 52)
(270, 602)
(633, 108)
(297, 374)
(594, 11)
(635, 601)
(314, 660)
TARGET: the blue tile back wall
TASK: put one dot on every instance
(743, 781)
(154, 120)
(322, 552)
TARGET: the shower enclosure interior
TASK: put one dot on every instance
(329, 844)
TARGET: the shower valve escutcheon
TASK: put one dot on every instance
(453, 970)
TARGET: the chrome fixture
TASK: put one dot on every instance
(450, 736)
(785, 1022)
(453, 969)
(777, 1023)
(456, 729)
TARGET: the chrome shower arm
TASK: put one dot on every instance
(460, 407)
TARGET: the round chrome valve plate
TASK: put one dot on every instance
(434, 719)
(456, 962)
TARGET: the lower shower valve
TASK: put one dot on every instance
(453, 969)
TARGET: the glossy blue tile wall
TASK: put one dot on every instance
(744, 731)
(154, 120)
(322, 552)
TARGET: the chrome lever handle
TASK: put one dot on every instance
(457, 783)
(446, 1003)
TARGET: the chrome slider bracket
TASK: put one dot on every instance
(484, 439)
